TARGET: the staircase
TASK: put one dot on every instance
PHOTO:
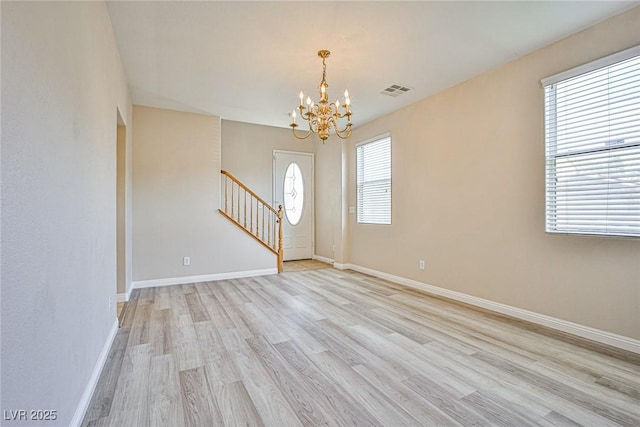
(251, 213)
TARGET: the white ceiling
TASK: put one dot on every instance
(247, 61)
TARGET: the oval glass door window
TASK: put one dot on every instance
(293, 193)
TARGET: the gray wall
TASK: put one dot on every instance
(62, 83)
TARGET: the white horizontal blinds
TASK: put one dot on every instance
(373, 170)
(592, 137)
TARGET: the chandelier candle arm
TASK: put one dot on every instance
(323, 117)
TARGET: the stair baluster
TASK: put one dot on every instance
(263, 212)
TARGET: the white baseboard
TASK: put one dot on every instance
(125, 296)
(203, 278)
(323, 259)
(587, 332)
(345, 266)
(83, 405)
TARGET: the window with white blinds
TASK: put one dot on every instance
(373, 180)
(592, 142)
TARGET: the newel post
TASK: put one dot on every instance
(280, 250)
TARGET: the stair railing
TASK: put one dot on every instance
(250, 212)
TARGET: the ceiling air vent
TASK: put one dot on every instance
(395, 90)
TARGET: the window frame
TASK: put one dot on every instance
(359, 211)
(552, 156)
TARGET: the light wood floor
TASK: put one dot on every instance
(303, 265)
(334, 348)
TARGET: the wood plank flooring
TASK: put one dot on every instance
(336, 348)
(303, 265)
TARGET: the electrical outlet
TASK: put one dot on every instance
(186, 260)
(110, 303)
(421, 264)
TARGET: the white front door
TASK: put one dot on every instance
(293, 189)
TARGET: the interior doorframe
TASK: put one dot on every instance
(313, 188)
(123, 211)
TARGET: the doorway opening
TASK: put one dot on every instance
(121, 170)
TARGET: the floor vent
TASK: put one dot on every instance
(395, 90)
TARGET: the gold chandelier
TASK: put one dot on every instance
(323, 117)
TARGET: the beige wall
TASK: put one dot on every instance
(62, 83)
(121, 205)
(468, 196)
(176, 181)
(329, 179)
(247, 151)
